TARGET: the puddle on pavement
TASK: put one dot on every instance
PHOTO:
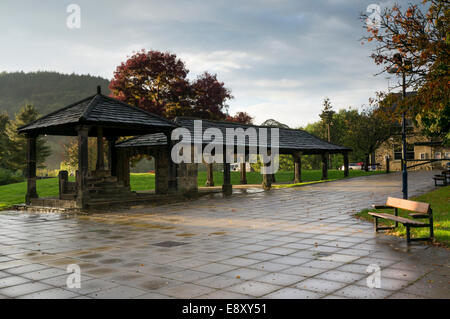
(100, 231)
(100, 271)
(127, 277)
(91, 256)
(111, 261)
(186, 235)
(154, 284)
(218, 233)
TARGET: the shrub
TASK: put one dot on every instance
(9, 177)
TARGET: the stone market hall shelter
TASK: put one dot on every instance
(104, 117)
(96, 116)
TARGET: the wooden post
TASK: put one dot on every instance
(83, 166)
(346, 171)
(172, 178)
(63, 178)
(126, 170)
(243, 180)
(162, 171)
(227, 188)
(112, 156)
(100, 150)
(297, 167)
(209, 175)
(31, 169)
(366, 162)
(325, 166)
(387, 165)
(267, 178)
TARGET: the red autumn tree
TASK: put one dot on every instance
(241, 117)
(152, 80)
(157, 82)
(210, 97)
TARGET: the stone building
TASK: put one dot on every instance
(422, 152)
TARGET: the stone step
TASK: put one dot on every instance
(98, 180)
(97, 199)
(68, 196)
(114, 192)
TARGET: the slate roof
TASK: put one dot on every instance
(117, 119)
(290, 140)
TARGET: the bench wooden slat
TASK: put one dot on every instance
(417, 207)
(399, 219)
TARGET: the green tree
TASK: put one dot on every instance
(4, 139)
(367, 130)
(17, 144)
(415, 43)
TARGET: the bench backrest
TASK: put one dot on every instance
(410, 205)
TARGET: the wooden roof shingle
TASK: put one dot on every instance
(290, 140)
(116, 118)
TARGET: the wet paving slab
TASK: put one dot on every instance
(287, 243)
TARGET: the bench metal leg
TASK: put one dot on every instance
(431, 228)
(376, 224)
(408, 235)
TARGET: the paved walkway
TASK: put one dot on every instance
(289, 243)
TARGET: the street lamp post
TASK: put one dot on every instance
(402, 65)
(404, 162)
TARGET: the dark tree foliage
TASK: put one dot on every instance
(47, 91)
(17, 143)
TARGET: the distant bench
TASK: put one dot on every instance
(442, 178)
(418, 211)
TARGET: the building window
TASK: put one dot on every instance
(409, 152)
(447, 155)
(437, 155)
(423, 156)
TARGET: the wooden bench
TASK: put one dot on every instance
(418, 211)
(442, 178)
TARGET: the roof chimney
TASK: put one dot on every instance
(99, 89)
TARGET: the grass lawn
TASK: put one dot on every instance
(15, 193)
(440, 203)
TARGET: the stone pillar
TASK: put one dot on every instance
(209, 175)
(63, 178)
(297, 167)
(31, 169)
(100, 150)
(112, 156)
(227, 188)
(267, 178)
(346, 171)
(324, 165)
(83, 166)
(162, 171)
(243, 173)
(187, 180)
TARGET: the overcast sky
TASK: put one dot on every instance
(280, 58)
